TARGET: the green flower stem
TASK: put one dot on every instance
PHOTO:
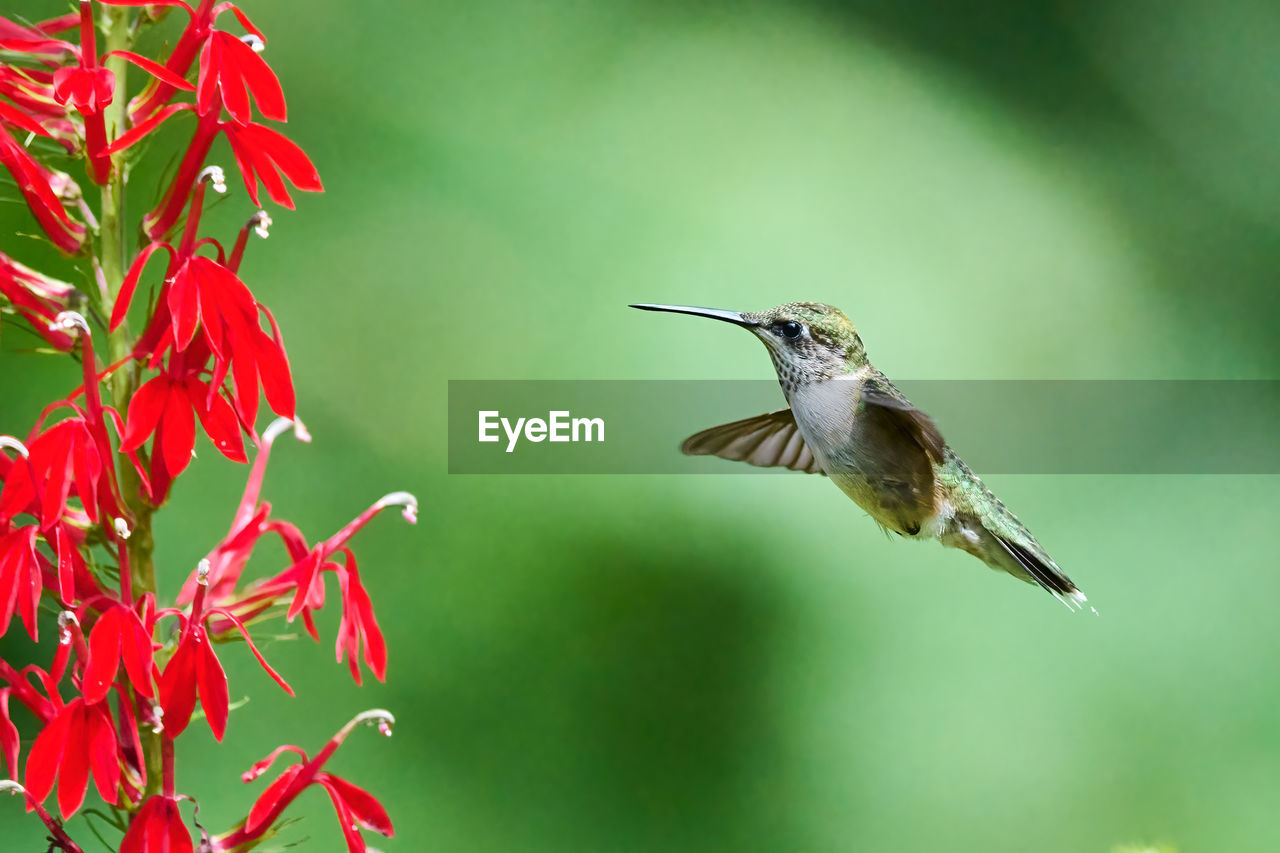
(113, 261)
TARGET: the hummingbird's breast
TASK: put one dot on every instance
(855, 458)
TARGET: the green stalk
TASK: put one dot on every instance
(113, 259)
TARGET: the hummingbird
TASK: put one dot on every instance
(846, 420)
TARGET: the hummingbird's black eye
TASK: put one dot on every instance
(790, 329)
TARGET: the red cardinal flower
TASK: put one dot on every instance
(157, 828)
(36, 183)
(306, 573)
(358, 626)
(250, 523)
(37, 297)
(31, 91)
(230, 68)
(167, 406)
(262, 154)
(65, 460)
(357, 809)
(195, 668)
(158, 92)
(80, 739)
(21, 565)
(205, 310)
(265, 155)
(208, 352)
(118, 635)
(90, 88)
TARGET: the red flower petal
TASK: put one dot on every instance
(350, 831)
(273, 368)
(213, 685)
(155, 69)
(235, 98)
(104, 656)
(57, 485)
(207, 78)
(244, 632)
(179, 435)
(33, 182)
(46, 755)
(245, 372)
(178, 688)
(73, 774)
(270, 177)
(145, 409)
(104, 754)
(286, 154)
(184, 303)
(364, 807)
(179, 838)
(218, 419)
(259, 77)
(134, 838)
(135, 644)
(9, 742)
(269, 798)
(133, 134)
(121, 307)
(244, 162)
(14, 116)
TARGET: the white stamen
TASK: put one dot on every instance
(202, 572)
(260, 222)
(65, 620)
(215, 176)
(279, 425)
(256, 44)
(157, 719)
(273, 430)
(122, 528)
(68, 320)
(12, 787)
(13, 444)
(402, 499)
(379, 717)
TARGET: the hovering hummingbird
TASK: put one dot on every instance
(848, 421)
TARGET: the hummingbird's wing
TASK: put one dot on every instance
(894, 412)
(893, 450)
(770, 441)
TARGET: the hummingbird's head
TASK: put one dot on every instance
(808, 341)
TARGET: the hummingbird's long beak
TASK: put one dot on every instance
(735, 317)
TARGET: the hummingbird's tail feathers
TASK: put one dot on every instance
(1044, 573)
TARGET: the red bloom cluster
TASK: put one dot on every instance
(75, 492)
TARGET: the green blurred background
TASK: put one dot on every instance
(990, 190)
